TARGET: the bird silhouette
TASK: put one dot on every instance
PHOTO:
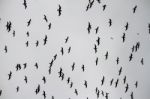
(0, 92)
(14, 33)
(134, 9)
(29, 22)
(9, 75)
(73, 66)
(60, 72)
(44, 94)
(27, 43)
(136, 84)
(102, 81)
(85, 83)
(37, 89)
(25, 4)
(45, 18)
(55, 56)
(124, 79)
(126, 88)
(27, 34)
(96, 61)
(71, 84)
(87, 7)
(120, 70)
(5, 49)
(36, 65)
(45, 40)
(96, 30)
(123, 37)
(18, 67)
(68, 80)
(49, 26)
(95, 48)
(69, 49)
(98, 41)
(76, 91)
(25, 79)
(106, 55)
(117, 60)
(132, 95)
(62, 51)
(111, 82)
(106, 96)
(116, 83)
(126, 26)
(89, 27)
(83, 68)
(59, 10)
(130, 57)
(25, 65)
(44, 79)
(8, 26)
(142, 61)
(99, 1)
(37, 43)
(17, 88)
(104, 7)
(110, 22)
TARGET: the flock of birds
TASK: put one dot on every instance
(61, 74)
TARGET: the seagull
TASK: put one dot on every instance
(27, 43)
(124, 79)
(83, 68)
(44, 79)
(45, 40)
(130, 57)
(66, 40)
(117, 60)
(49, 26)
(36, 65)
(89, 27)
(44, 94)
(9, 75)
(136, 84)
(96, 30)
(123, 37)
(134, 9)
(29, 22)
(45, 18)
(59, 10)
(126, 88)
(0, 92)
(62, 51)
(5, 49)
(95, 48)
(96, 61)
(110, 22)
(106, 55)
(76, 92)
(104, 7)
(120, 70)
(37, 43)
(8, 26)
(25, 4)
(126, 26)
(14, 33)
(98, 41)
(142, 61)
(111, 81)
(102, 81)
(85, 84)
(69, 49)
(17, 88)
(25, 79)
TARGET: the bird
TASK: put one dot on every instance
(95, 48)
(111, 81)
(0, 92)
(62, 76)
(5, 49)
(55, 56)
(25, 4)
(37, 43)
(117, 60)
(89, 27)
(99, 1)
(130, 57)
(59, 10)
(133, 47)
(126, 88)
(134, 9)
(149, 27)
(73, 66)
(102, 81)
(69, 49)
(66, 40)
(68, 80)
(96, 61)
(29, 22)
(85, 83)
(124, 79)
(17, 88)
(51, 63)
(104, 7)
(60, 72)
(87, 7)
(36, 65)
(91, 3)
(25, 65)
(62, 51)
(49, 26)
(25, 79)
(45, 40)
(123, 37)
(45, 18)
(131, 95)
(76, 92)
(83, 68)
(142, 61)
(44, 94)
(96, 30)
(110, 22)
(27, 34)
(9, 75)
(8, 26)
(116, 83)
(18, 67)
(44, 79)
(98, 41)
(106, 96)
(71, 84)
(37, 89)
(126, 26)
(14, 33)
(136, 84)
(106, 55)
(27, 43)
(120, 70)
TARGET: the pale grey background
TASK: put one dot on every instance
(73, 23)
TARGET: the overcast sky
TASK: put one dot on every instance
(73, 22)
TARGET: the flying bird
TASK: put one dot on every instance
(95, 48)
(9, 75)
(134, 9)
(126, 26)
(5, 49)
(8, 26)
(45, 18)
(37, 43)
(106, 55)
(110, 22)
(45, 40)
(49, 26)
(59, 10)
(69, 49)
(29, 22)
(25, 4)
(25, 79)
(89, 27)
(62, 51)
(123, 37)
(66, 40)
(96, 30)
(104, 7)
